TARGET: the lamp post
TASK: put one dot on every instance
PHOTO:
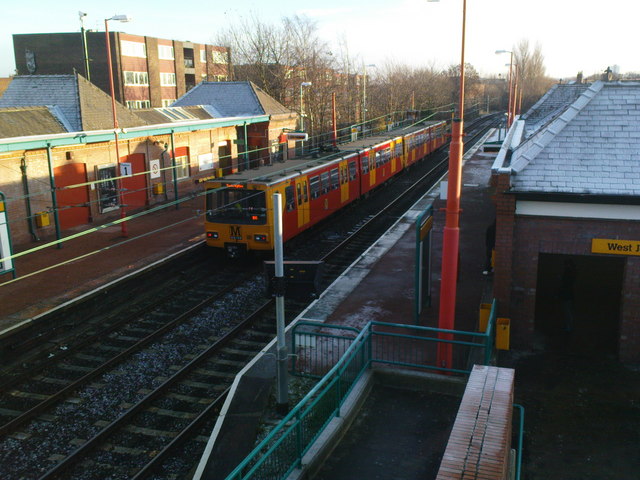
(509, 108)
(85, 49)
(119, 18)
(302, 84)
(451, 233)
(364, 96)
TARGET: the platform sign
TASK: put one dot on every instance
(126, 170)
(6, 262)
(615, 247)
(424, 225)
(154, 168)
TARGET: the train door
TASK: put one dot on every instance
(302, 199)
(344, 182)
(73, 203)
(372, 167)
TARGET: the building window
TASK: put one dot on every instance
(220, 78)
(133, 49)
(138, 104)
(136, 78)
(203, 56)
(166, 102)
(219, 57)
(182, 167)
(165, 52)
(167, 79)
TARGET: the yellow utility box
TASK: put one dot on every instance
(42, 219)
(158, 188)
(485, 311)
(503, 328)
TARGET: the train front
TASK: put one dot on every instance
(237, 218)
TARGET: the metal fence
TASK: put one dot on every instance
(338, 356)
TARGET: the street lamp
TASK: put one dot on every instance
(364, 96)
(85, 49)
(509, 108)
(302, 84)
(118, 18)
(451, 233)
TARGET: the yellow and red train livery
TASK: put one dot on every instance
(239, 206)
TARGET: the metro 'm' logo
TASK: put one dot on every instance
(234, 232)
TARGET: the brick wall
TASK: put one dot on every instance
(480, 441)
(519, 242)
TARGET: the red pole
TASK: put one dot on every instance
(123, 214)
(333, 119)
(451, 237)
(509, 118)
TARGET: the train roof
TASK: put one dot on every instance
(279, 171)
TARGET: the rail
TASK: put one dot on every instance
(345, 359)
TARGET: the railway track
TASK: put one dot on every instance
(127, 416)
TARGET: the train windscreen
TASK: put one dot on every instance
(233, 205)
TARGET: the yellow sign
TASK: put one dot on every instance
(615, 247)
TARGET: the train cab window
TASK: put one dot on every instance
(314, 183)
(235, 205)
(353, 171)
(335, 181)
(324, 177)
(289, 198)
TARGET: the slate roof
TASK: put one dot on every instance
(590, 145)
(232, 99)
(46, 90)
(25, 121)
(78, 104)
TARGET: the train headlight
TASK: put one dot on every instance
(212, 235)
(260, 238)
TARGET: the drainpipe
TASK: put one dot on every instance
(54, 201)
(25, 188)
(175, 171)
(246, 148)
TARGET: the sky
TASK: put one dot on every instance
(574, 35)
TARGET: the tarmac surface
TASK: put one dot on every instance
(582, 409)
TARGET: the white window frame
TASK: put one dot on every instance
(182, 167)
(203, 55)
(165, 52)
(166, 102)
(167, 79)
(218, 57)
(136, 78)
(133, 49)
(138, 104)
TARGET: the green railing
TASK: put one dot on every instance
(339, 360)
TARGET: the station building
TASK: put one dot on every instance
(60, 170)
(147, 71)
(567, 196)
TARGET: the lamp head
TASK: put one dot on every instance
(120, 18)
(305, 84)
(498, 52)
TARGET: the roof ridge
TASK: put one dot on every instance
(537, 142)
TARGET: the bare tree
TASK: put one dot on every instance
(533, 82)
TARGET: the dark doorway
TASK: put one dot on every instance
(578, 302)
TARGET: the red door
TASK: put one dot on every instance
(73, 203)
(134, 186)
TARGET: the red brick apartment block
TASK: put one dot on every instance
(480, 440)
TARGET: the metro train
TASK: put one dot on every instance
(239, 206)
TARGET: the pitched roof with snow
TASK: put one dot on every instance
(232, 99)
(46, 90)
(590, 144)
